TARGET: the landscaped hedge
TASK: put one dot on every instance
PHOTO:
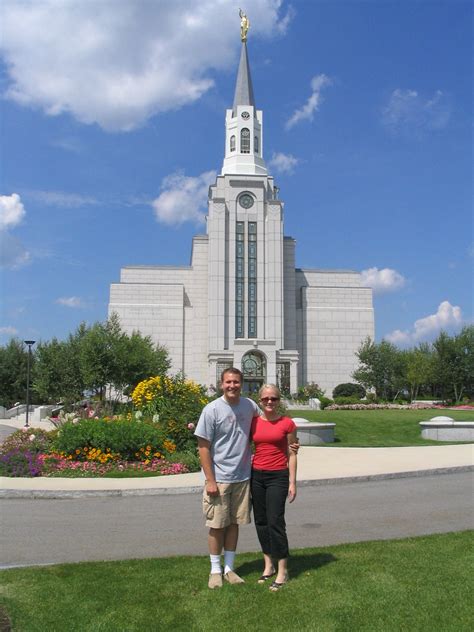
(130, 439)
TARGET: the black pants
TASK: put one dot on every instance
(269, 493)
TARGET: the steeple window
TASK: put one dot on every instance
(255, 145)
(252, 277)
(239, 279)
(232, 143)
(245, 141)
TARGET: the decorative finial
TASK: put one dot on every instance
(244, 25)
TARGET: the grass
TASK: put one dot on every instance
(419, 584)
(379, 428)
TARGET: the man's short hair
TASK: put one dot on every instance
(232, 369)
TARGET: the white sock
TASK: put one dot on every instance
(229, 557)
(216, 564)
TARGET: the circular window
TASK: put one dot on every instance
(246, 200)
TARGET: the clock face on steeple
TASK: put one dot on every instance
(246, 200)
(245, 115)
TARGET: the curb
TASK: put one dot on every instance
(168, 491)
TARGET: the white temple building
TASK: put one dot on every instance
(242, 302)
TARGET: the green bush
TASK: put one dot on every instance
(128, 438)
(174, 403)
(325, 401)
(344, 401)
(349, 390)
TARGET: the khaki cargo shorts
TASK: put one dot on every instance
(230, 506)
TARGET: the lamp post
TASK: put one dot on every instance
(30, 343)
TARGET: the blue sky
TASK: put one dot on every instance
(112, 127)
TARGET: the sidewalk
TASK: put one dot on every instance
(316, 466)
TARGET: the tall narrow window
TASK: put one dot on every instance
(239, 279)
(255, 144)
(232, 143)
(245, 141)
(252, 277)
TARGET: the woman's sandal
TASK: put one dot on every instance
(263, 578)
(276, 586)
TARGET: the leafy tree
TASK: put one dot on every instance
(110, 358)
(454, 363)
(57, 375)
(13, 370)
(100, 358)
(381, 368)
(418, 367)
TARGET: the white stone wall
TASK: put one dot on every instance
(156, 310)
(334, 317)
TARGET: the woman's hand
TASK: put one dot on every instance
(292, 492)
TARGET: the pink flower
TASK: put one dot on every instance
(191, 426)
(32, 437)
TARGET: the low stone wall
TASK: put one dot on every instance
(314, 433)
(447, 429)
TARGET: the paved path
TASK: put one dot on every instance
(111, 528)
(315, 465)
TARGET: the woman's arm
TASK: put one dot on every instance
(292, 459)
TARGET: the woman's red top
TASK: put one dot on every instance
(271, 442)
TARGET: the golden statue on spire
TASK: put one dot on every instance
(244, 25)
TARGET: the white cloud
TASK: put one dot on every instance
(184, 198)
(61, 199)
(408, 112)
(283, 163)
(448, 317)
(12, 210)
(71, 301)
(312, 104)
(385, 280)
(13, 254)
(119, 63)
(8, 331)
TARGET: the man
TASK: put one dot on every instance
(223, 433)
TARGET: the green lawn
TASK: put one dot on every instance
(416, 584)
(379, 428)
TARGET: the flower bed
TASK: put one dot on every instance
(379, 406)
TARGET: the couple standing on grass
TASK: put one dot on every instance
(224, 432)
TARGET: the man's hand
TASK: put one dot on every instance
(295, 446)
(211, 488)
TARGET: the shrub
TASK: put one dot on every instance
(174, 403)
(343, 401)
(325, 401)
(349, 390)
(32, 440)
(121, 438)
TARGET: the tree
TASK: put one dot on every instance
(381, 368)
(454, 363)
(110, 358)
(57, 376)
(101, 359)
(418, 367)
(13, 369)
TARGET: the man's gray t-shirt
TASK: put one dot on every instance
(227, 428)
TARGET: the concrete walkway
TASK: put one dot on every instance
(316, 466)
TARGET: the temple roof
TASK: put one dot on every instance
(243, 87)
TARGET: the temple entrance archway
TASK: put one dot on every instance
(254, 368)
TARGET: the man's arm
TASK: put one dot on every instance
(204, 448)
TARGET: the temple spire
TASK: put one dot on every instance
(243, 87)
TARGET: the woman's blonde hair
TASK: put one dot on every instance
(274, 387)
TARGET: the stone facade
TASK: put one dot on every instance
(242, 302)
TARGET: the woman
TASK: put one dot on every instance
(273, 480)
